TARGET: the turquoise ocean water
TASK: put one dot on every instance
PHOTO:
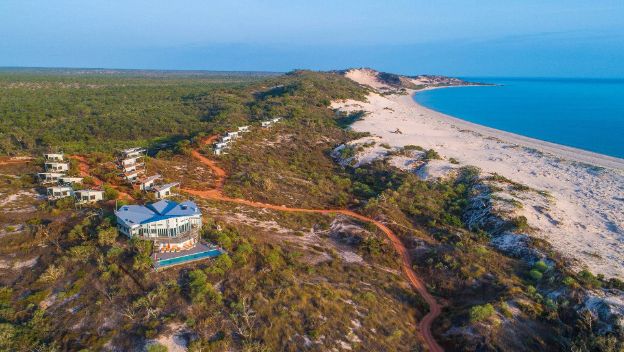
(582, 113)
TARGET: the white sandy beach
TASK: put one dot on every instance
(584, 218)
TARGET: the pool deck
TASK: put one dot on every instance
(199, 247)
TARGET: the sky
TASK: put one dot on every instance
(537, 38)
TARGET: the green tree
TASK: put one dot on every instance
(110, 193)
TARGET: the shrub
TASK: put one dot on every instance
(536, 274)
(110, 192)
(540, 266)
(413, 147)
(65, 203)
(52, 273)
(221, 265)
(107, 236)
(198, 284)
(7, 333)
(81, 253)
(274, 259)
(480, 313)
(569, 281)
(520, 223)
(156, 347)
(431, 154)
(588, 279)
(242, 253)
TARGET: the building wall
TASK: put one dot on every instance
(163, 228)
(85, 197)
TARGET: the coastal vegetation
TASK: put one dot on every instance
(288, 281)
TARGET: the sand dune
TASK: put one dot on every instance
(584, 218)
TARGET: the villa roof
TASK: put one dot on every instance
(165, 186)
(150, 178)
(133, 215)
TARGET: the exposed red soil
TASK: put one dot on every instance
(217, 194)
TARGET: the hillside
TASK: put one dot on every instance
(291, 280)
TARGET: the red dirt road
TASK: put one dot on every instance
(434, 307)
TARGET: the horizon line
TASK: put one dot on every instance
(271, 72)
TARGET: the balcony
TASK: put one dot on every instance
(181, 238)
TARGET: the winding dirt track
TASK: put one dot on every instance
(217, 194)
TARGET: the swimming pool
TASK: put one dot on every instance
(187, 258)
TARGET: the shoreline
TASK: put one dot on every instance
(558, 150)
(573, 201)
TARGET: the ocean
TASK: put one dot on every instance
(581, 113)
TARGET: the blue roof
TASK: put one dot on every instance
(132, 215)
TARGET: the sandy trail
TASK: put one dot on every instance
(434, 307)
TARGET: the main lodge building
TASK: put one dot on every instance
(172, 226)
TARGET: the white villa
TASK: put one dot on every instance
(53, 166)
(89, 195)
(164, 191)
(243, 129)
(233, 135)
(148, 183)
(70, 179)
(58, 192)
(132, 164)
(49, 177)
(219, 147)
(53, 156)
(268, 123)
(170, 225)
(133, 175)
(133, 152)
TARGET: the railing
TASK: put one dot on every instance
(192, 233)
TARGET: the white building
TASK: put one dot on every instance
(53, 166)
(276, 119)
(233, 135)
(89, 195)
(226, 139)
(50, 177)
(266, 124)
(132, 152)
(58, 192)
(147, 183)
(170, 225)
(70, 180)
(164, 191)
(221, 145)
(133, 175)
(243, 129)
(53, 156)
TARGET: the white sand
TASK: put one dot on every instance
(584, 220)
